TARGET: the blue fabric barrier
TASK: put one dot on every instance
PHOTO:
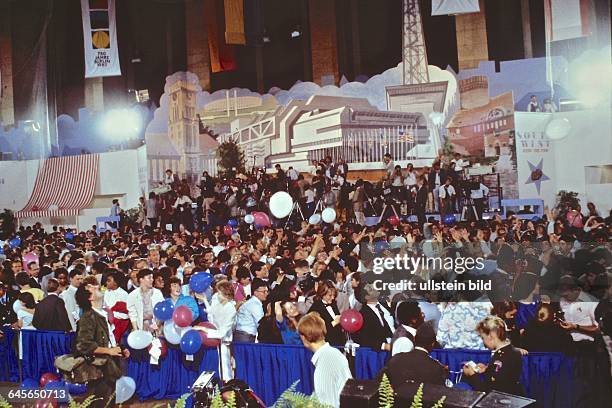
(40, 349)
(271, 368)
(553, 379)
(9, 366)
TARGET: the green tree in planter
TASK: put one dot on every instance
(230, 159)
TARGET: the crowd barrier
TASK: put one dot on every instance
(554, 379)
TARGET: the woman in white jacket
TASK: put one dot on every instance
(223, 315)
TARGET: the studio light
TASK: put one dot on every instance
(121, 124)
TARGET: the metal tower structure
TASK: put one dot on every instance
(414, 51)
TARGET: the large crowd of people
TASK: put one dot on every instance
(552, 278)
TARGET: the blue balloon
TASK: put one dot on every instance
(200, 281)
(163, 310)
(14, 243)
(191, 342)
(53, 385)
(69, 236)
(381, 246)
(29, 383)
(232, 223)
(76, 389)
(449, 219)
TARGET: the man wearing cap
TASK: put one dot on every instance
(250, 313)
(375, 332)
(416, 366)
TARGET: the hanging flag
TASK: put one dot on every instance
(100, 38)
(566, 19)
(444, 7)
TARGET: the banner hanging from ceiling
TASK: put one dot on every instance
(100, 38)
(444, 7)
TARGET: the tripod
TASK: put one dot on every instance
(468, 205)
(296, 206)
(384, 211)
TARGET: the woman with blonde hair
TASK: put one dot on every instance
(223, 315)
(504, 370)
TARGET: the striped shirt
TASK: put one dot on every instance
(330, 374)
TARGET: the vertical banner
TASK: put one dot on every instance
(100, 38)
(535, 157)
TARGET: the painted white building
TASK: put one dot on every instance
(350, 128)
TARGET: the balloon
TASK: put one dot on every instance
(69, 236)
(449, 219)
(232, 223)
(227, 230)
(163, 349)
(55, 385)
(29, 383)
(281, 204)
(574, 218)
(328, 215)
(191, 342)
(261, 219)
(394, 220)
(163, 310)
(182, 316)
(558, 128)
(46, 378)
(205, 340)
(172, 333)
(314, 219)
(139, 339)
(249, 219)
(76, 389)
(14, 243)
(380, 246)
(124, 389)
(351, 320)
(200, 281)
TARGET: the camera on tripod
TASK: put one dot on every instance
(467, 186)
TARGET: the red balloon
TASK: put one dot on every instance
(394, 220)
(182, 316)
(228, 230)
(46, 403)
(351, 320)
(164, 348)
(47, 378)
(261, 219)
(207, 342)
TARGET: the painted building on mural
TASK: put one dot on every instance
(341, 127)
(484, 126)
(184, 149)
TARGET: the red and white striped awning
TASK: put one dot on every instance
(64, 185)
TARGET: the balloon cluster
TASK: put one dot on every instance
(177, 320)
(50, 381)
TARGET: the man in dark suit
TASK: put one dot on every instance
(375, 332)
(416, 366)
(436, 180)
(7, 298)
(421, 201)
(50, 313)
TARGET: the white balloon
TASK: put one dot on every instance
(124, 389)
(314, 219)
(558, 128)
(139, 339)
(328, 215)
(249, 219)
(281, 204)
(172, 334)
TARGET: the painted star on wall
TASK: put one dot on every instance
(537, 176)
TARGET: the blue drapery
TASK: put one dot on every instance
(40, 349)
(553, 379)
(550, 378)
(173, 376)
(271, 368)
(9, 365)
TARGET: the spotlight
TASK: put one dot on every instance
(265, 37)
(121, 124)
(296, 32)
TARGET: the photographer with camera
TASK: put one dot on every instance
(479, 194)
